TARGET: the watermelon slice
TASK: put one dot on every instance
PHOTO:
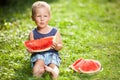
(76, 64)
(86, 66)
(39, 45)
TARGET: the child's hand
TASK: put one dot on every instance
(30, 51)
(56, 46)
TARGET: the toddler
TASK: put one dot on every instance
(47, 60)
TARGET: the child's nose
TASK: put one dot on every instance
(42, 18)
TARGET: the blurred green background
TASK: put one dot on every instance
(89, 28)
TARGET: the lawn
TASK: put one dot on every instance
(90, 29)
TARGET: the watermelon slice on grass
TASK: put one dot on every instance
(86, 66)
(40, 45)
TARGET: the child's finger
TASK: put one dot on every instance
(52, 47)
(55, 44)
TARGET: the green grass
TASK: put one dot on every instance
(89, 28)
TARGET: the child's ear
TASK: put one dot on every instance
(32, 18)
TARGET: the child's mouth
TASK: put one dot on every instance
(42, 23)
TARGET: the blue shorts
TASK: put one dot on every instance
(47, 57)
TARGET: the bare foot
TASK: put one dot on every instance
(49, 69)
(52, 71)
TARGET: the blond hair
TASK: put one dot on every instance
(40, 4)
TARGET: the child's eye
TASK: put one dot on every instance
(38, 16)
(45, 16)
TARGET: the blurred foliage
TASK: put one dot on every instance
(11, 11)
(89, 28)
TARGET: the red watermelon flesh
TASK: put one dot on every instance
(90, 66)
(39, 45)
(86, 66)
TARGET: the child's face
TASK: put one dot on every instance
(41, 17)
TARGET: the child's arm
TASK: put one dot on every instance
(57, 45)
(30, 38)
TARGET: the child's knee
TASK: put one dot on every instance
(38, 72)
(38, 68)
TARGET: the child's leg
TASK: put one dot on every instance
(53, 69)
(39, 68)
